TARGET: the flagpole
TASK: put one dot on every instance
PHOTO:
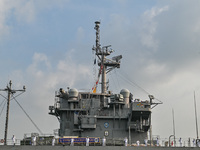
(196, 115)
(173, 127)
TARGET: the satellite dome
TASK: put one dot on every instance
(125, 93)
(73, 93)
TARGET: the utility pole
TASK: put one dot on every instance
(151, 97)
(173, 127)
(10, 91)
(196, 115)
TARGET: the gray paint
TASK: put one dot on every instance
(92, 114)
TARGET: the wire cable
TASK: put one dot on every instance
(27, 115)
(3, 96)
(2, 102)
(17, 95)
(2, 107)
(111, 77)
(128, 80)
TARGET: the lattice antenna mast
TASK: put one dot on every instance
(10, 91)
(106, 65)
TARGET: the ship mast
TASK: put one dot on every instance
(106, 65)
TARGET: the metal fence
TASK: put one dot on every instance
(184, 142)
(10, 142)
(163, 142)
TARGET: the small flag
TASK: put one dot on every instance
(94, 91)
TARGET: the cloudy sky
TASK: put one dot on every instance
(47, 44)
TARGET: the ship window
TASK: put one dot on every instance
(84, 96)
(84, 113)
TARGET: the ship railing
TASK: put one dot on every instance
(163, 142)
(10, 142)
(140, 106)
(44, 139)
(57, 103)
(185, 142)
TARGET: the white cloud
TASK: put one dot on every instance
(155, 11)
(35, 68)
(4, 7)
(149, 27)
(154, 69)
(24, 11)
(47, 79)
(80, 34)
(41, 81)
(197, 26)
(166, 63)
(71, 72)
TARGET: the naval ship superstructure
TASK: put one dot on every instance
(113, 116)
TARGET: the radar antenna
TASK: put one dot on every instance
(105, 64)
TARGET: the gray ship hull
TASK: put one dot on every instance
(92, 148)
